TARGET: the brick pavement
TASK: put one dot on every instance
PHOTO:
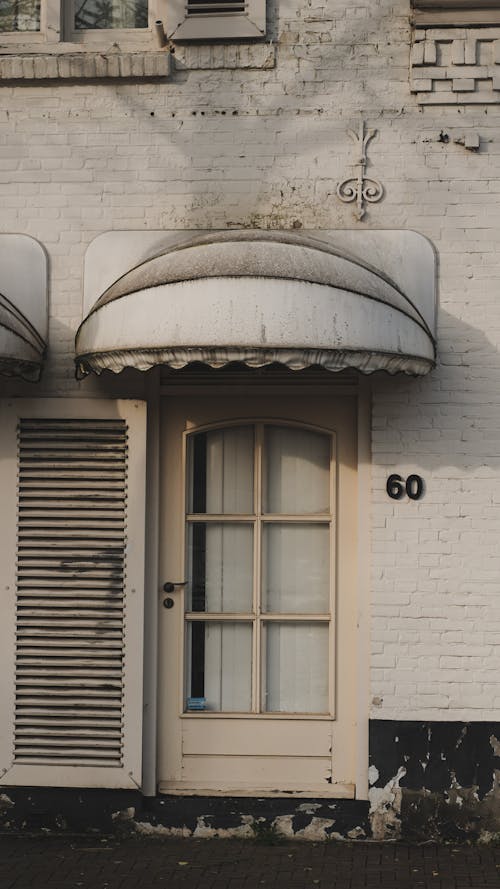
(93, 862)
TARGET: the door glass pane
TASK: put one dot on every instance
(219, 666)
(296, 567)
(297, 471)
(220, 566)
(111, 14)
(19, 15)
(295, 668)
(221, 471)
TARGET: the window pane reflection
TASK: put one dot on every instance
(91, 14)
(20, 15)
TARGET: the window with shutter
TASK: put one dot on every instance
(75, 597)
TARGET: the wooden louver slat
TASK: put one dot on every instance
(215, 7)
(70, 591)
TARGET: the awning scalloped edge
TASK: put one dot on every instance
(366, 362)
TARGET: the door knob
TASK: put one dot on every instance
(170, 587)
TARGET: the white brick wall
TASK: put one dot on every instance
(265, 147)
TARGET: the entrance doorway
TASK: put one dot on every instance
(258, 621)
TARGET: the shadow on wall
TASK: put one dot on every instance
(438, 777)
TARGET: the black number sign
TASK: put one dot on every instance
(397, 487)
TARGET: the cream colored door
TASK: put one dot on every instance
(257, 650)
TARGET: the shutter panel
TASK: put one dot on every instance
(216, 19)
(77, 646)
(215, 7)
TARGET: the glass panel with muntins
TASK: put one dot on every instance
(259, 561)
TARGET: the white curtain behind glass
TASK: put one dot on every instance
(230, 470)
(297, 471)
(229, 568)
(296, 668)
(228, 667)
(296, 567)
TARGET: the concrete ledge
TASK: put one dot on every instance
(85, 66)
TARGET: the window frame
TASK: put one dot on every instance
(57, 33)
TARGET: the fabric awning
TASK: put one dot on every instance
(257, 297)
(21, 347)
(23, 307)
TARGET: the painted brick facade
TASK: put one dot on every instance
(255, 136)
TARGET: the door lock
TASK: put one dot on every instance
(170, 587)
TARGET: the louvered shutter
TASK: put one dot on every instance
(73, 572)
(216, 19)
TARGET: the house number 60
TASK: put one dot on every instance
(397, 487)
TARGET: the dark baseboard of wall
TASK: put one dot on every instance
(429, 781)
(443, 778)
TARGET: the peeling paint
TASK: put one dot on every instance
(357, 833)
(385, 808)
(308, 808)
(144, 828)
(124, 814)
(495, 745)
(317, 830)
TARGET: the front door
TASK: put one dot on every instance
(257, 630)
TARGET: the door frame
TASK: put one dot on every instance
(155, 390)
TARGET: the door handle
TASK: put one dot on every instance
(170, 587)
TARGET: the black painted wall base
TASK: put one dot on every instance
(435, 780)
(429, 780)
(110, 810)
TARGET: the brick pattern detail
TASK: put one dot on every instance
(225, 55)
(85, 66)
(456, 66)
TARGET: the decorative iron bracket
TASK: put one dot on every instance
(360, 188)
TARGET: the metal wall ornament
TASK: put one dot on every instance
(360, 188)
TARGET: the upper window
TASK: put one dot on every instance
(68, 21)
(131, 23)
(456, 12)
